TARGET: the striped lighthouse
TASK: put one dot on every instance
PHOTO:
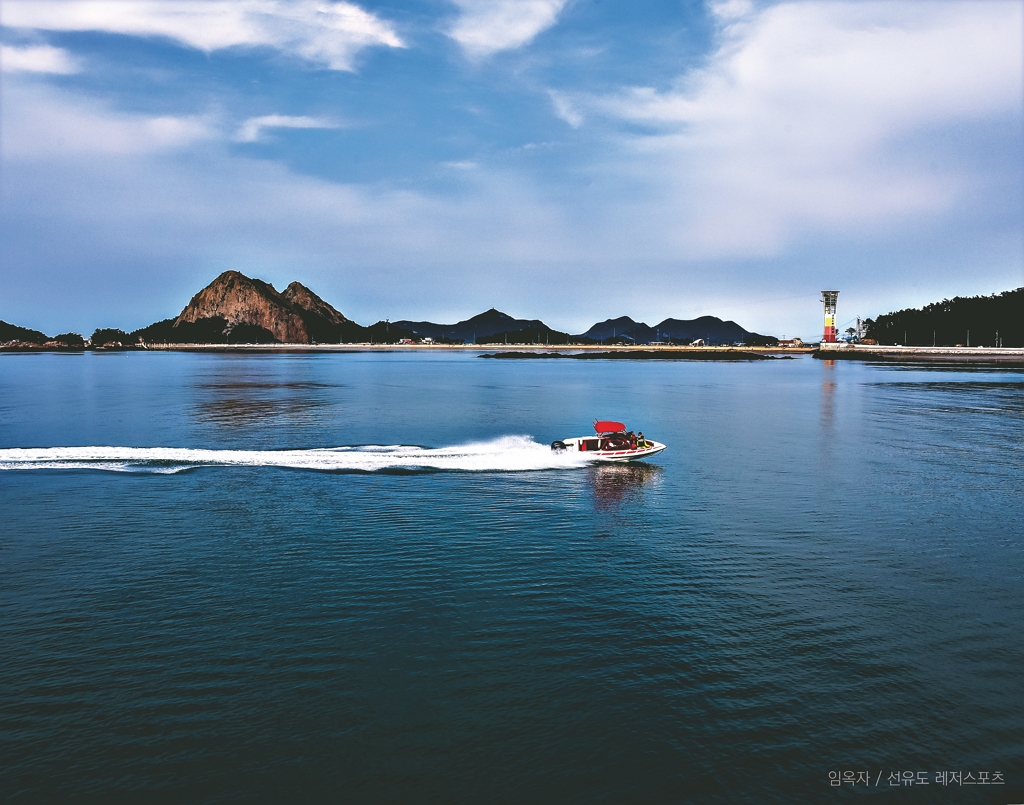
(829, 298)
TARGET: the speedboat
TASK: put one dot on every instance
(612, 442)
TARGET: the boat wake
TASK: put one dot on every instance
(507, 454)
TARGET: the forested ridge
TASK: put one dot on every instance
(975, 321)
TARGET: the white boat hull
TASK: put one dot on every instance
(586, 445)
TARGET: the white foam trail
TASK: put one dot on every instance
(507, 454)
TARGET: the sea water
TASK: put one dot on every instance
(366, 578)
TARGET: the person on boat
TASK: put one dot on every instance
(641, 442)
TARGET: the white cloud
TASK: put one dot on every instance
(327, 33)
(487, 26)
(37, 59)
(127, 190)
(252, 129)
(813, 116)
(813, 123)
(565, 109)
(731, 9)
(47, 123)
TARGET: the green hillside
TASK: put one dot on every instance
(975, 320)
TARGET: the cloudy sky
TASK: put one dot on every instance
(571, 160)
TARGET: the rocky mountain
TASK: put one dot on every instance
(483, 325)
(238, 299)
(301, 297)
(235, 308)
(324, 323)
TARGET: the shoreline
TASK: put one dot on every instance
(974, 356)
(536, 348)
(367, 347)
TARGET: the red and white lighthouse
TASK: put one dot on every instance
(829, 298)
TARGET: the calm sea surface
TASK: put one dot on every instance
(823, 573)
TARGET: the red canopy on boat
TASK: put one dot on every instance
(606, 426)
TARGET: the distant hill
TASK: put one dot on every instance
(612, 328)
(489, 323)
(528, 335)
(238, 309)
(235, 308)
(493, 326)
(976, 320)
(712, 329)
(12, 332)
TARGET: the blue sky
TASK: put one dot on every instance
(572, 161)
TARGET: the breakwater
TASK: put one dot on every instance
(995, 356)
(637, 355)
